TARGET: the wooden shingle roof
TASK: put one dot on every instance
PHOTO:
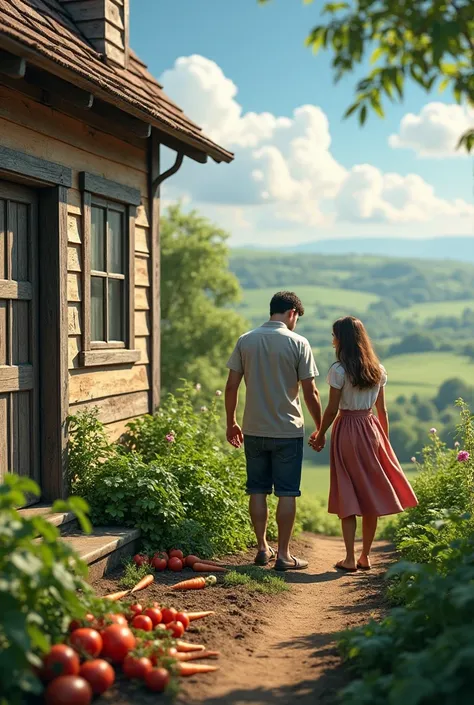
(44, 30)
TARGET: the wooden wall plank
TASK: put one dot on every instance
(143, 218)
(74, 228)
(112, 409)
(143, 345)
(74, 349)
(16, 378)
(116, 430)
(142, 323)
(73, 258)
(74, 201)
(142, 271)
(104, 382)
(74, 287)
(142, 298)
(74, 319)
(142, 240)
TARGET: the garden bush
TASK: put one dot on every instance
(422, 652)
(38, 584)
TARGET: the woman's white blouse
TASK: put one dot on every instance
(352, 398)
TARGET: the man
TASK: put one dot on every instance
(274, 360)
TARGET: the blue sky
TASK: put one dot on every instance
(261, 50)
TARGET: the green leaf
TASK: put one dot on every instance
(363, 115)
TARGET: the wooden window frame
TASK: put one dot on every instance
(103, 193)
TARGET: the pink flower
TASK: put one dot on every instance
(218, 393)
(170, 438)
(463, 456)
(413, 460)
(433, 431)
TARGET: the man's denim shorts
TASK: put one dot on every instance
(274, 464)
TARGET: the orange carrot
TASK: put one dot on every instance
(186, 647)
(202, 567)
(114, 596)
(194, 655)
(193, 584)
(219, 564)
(191, 669)
(144, 583)
(198, 615)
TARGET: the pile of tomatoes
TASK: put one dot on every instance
(162, 560)
(139, 642)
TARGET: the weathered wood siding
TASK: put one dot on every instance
(120, 391)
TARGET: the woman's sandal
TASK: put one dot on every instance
(298, 564)
(264, 557)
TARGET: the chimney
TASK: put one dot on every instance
(105, 24)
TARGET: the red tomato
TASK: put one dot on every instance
(162, 554)
(169, 614)
(176, 628)
(141, 621)
(78, 623)
(175, 564)
(134, 667)
(159, 563)
(86, 641)
(61, 661)
(99, 674)
(135, 609)
(176, 553)
(191, 560)
(112, 619)
(68, 690)
(155, 615)
(184, 619)
(139, 559)
(118, 641)
(157, 679)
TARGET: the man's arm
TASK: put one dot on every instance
(234, 432)
(312, 400)
(317, 440)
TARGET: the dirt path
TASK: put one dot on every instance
(293, 656)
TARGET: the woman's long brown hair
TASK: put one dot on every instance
(355, 353)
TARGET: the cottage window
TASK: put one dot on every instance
(108, 271)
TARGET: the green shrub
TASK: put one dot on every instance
(312, 515)
(38, 584)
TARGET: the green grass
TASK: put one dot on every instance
(423, 373)
(424, 312)
(255, 579)
(315, 480)
(256, 301)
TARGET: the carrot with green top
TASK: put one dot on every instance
(195, 583)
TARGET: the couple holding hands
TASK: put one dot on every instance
(366, 477)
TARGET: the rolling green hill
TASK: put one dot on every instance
(435, 309)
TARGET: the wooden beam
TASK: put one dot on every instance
(11, 65)
(100, 358)
(182, 147)
(13, 162)
(125, 122)
(57, 89)
(109, 189)
(54, 377)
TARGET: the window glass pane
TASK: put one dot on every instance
(116, 242)
(97, 308)
(116, 308)
(98, 239)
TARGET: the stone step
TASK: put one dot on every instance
(104, 549)
(65, 521)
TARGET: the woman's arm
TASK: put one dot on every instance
(382, 412)
(317, 440)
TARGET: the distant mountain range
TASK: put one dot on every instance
(453, 248)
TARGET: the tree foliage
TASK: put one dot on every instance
(198, 328)
(428, 42)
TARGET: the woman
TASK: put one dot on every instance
(366, 477)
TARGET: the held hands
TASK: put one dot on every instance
(317, 441)
(234, 435)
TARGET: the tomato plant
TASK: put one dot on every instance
(136, 666)
(62, 660)
(117, 642)
(68, 690)
(142, 621)
(99, 674)
(86, 641)
(157, 679)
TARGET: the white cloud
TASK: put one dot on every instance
(435, 132)
(285, 175)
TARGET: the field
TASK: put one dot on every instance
(422, 373)
(436, 309)
(256, 301)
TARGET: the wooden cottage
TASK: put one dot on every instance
(81, 125)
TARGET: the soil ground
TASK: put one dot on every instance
(274, 648)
